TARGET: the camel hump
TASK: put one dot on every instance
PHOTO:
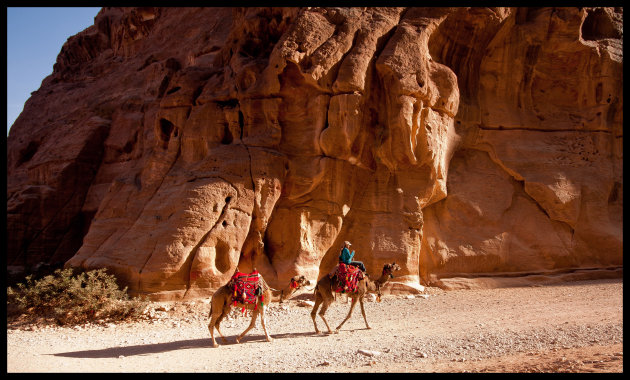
(346, 278)
(246, 287)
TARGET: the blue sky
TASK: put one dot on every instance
(35, 36)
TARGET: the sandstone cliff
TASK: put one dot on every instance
(172, 145)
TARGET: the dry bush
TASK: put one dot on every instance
(68, 299)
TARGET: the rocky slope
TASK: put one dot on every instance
(172, 145)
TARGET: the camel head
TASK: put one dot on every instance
(295, 283)
(388, 272)
(389, 269)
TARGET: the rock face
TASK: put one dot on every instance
(172, 145)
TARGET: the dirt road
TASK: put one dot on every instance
(572, 327)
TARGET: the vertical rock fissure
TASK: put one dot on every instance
(241, 123)
(193, 252)
(157, 188)
(338, 65)
(140, 283)
(381, 44)
(251, 174)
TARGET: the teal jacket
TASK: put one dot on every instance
(346, 256)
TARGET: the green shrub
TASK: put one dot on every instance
(69, 299)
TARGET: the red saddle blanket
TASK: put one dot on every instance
(245, 287)
(347, 278)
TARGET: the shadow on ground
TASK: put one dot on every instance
(156, 348)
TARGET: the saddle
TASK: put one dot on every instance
(246, 287)
(346, 278)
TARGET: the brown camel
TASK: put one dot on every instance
(324, 295)
(221, 305)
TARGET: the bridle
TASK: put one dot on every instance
(388, 270)
(292, 285)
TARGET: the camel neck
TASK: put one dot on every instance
(282, 294)
(383, 279)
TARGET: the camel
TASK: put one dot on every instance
(324, 295)
(221, 305)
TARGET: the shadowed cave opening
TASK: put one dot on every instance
(173, 90)
(166, 128)
(230, 103)
(227, 135)
(27, 153)
(241, 122)
(598, 26)
(615, 192)
(222, 258)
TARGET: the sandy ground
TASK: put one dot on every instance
(570, 327)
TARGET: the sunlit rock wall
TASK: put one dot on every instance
(172, 145)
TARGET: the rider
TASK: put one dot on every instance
(346, 257)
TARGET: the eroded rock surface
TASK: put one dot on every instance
(172, 145)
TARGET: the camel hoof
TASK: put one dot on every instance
(269, 339)
(215, 345)
(369, 328)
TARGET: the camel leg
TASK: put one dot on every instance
(262, 321)
(363, 312)
(211, 328)
(214, 317)
(318, 301)
(226, 311)
(251, 325)
(322, 311)
(354, 302)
